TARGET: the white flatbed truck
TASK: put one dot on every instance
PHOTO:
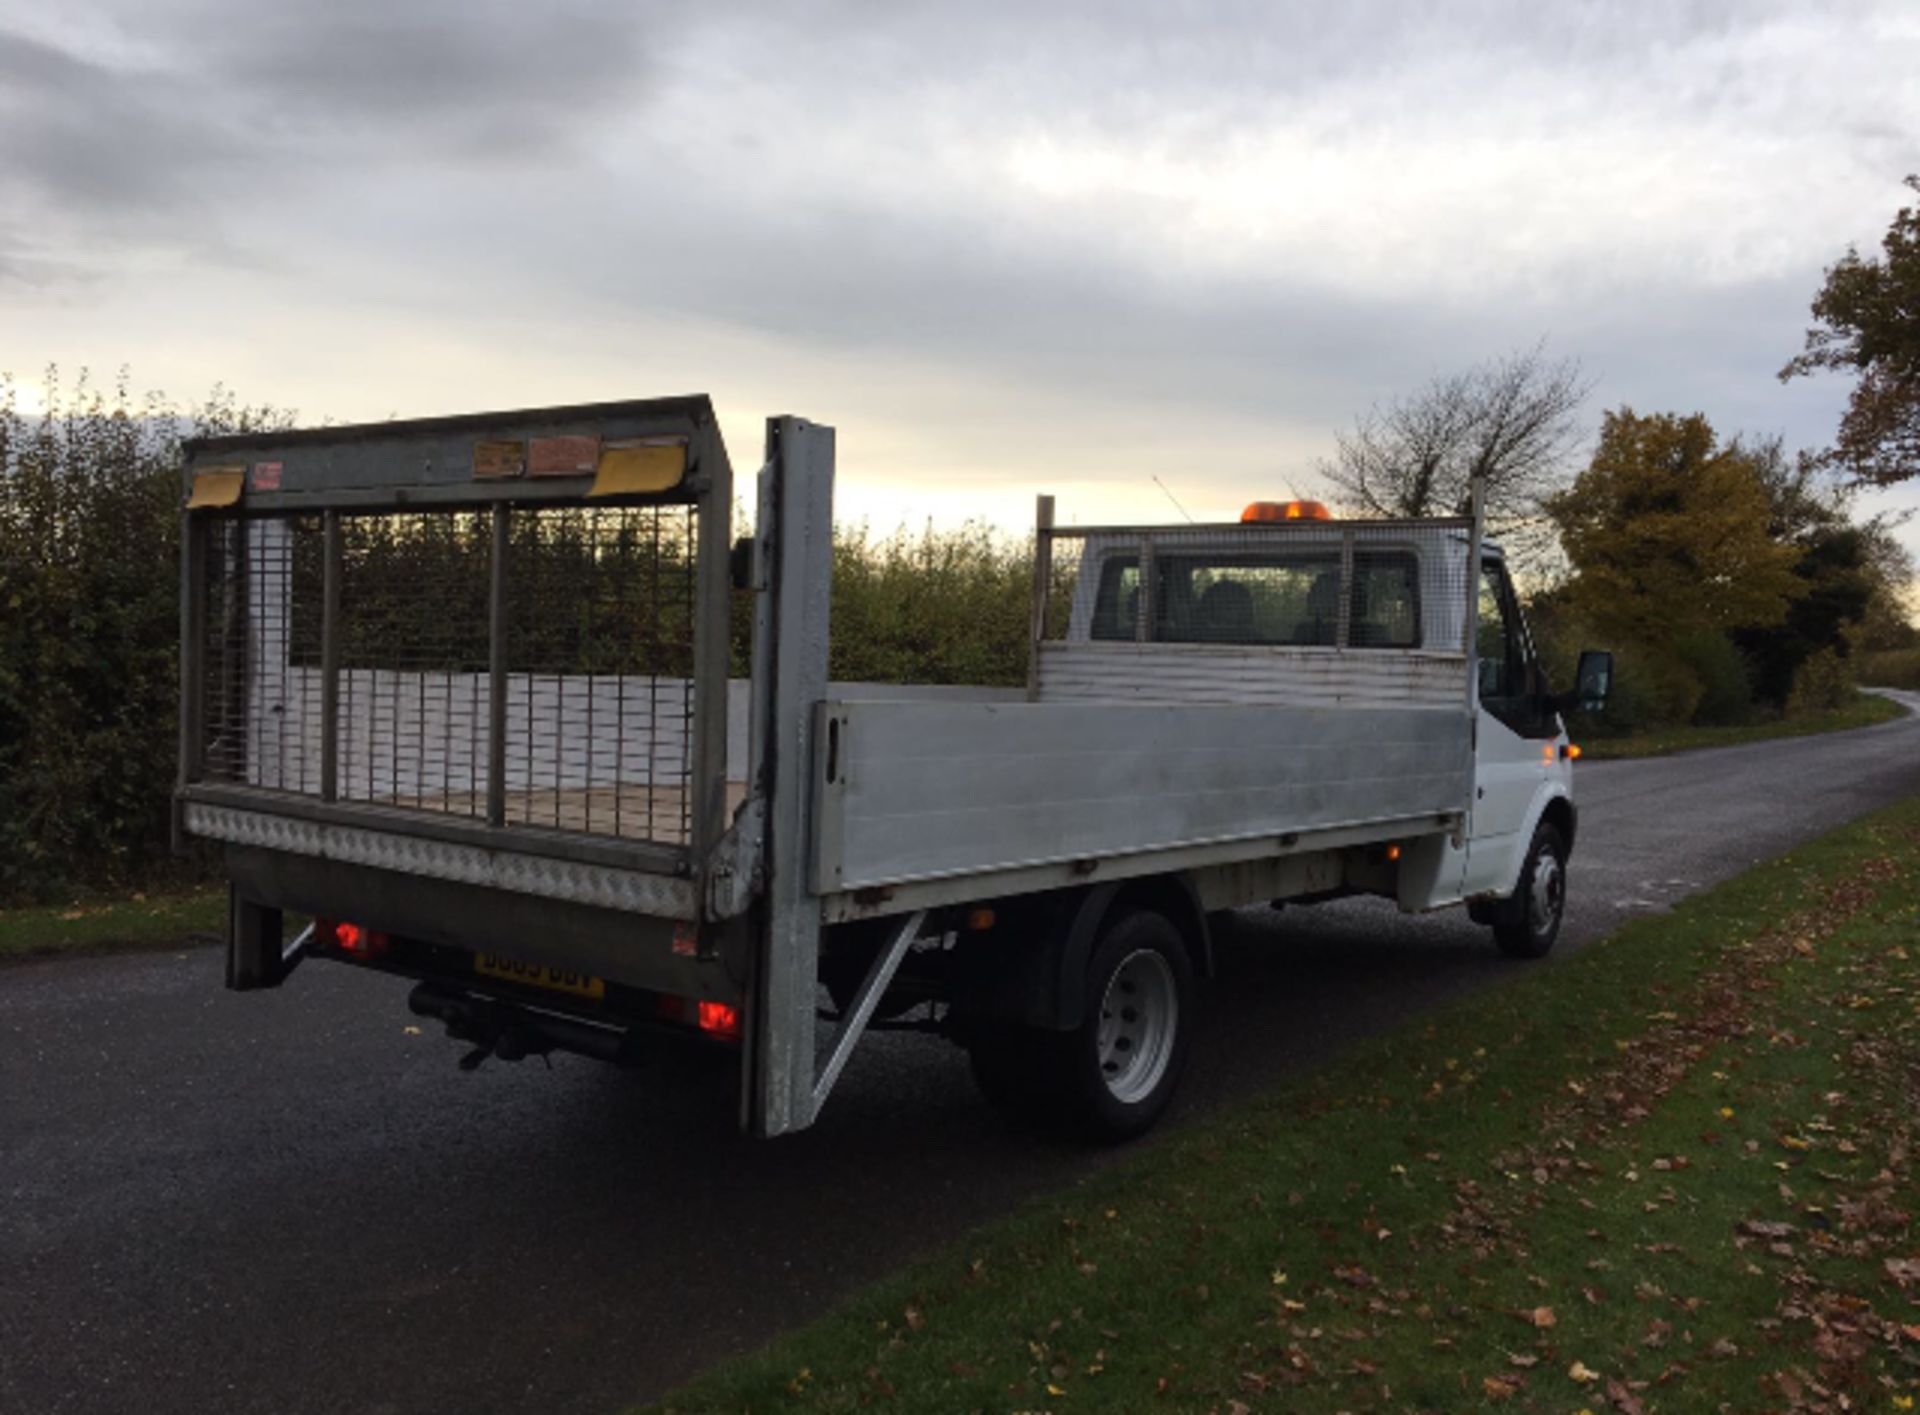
(459, 689)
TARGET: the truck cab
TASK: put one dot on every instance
(1272, 586)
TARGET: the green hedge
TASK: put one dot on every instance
(89, 527)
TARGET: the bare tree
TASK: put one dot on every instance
(1512, 420)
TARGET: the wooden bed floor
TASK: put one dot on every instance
(633, 811)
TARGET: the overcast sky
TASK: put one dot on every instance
(1004, 247)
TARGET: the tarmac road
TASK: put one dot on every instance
(287, 1202)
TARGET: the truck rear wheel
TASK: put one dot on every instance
(1526, 925)
(1109, 1078)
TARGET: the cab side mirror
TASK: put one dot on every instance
(1593, 680)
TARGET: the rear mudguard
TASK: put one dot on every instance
(1031, 966)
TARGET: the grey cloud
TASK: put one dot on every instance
(88, 140)
(264, 105)
(540, 135)
(481, 80)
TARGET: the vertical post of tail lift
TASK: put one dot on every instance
(794, 541)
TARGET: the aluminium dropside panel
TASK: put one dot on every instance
(931, 790)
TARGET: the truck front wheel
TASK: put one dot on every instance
(1526, 924)
(1109, 1078)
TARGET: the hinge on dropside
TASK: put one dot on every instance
(735, 870)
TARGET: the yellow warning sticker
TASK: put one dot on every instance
(640, 465)
(216, 486)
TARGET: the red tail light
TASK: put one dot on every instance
(719, 1019)
(355, 939)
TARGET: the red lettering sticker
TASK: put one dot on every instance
(265, 476)
(563, 456)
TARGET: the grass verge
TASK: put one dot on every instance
(1864, 711)
(141, 921)
(1671, 1172)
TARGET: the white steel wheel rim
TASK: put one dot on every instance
(1548, 894)
(1139, 1015)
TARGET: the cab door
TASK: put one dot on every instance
(1515, 738)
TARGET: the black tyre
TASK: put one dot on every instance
(1526, 925)
(1110, 1078)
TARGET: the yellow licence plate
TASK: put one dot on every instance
(539, 975)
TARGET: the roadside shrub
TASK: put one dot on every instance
(1891, 668)
(1822, 683)
(1725, 679)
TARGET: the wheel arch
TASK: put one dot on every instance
(1174, 896)
(1560, 813)
(1554, 807)
(1032, 968)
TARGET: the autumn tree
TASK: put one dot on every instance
(1867, 323)
(1855, 571)
(1669, 537)
(1512, 421)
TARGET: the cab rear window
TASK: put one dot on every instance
(1268, 599)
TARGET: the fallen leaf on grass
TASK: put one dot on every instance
(1904, 1270)
(1624, 1400)
(1499, 1387)
(1581, 1372)
(1542, 1317)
